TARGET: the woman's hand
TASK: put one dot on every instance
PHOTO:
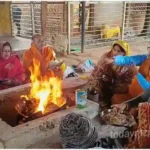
(134, 70)
(120, 107)
(9, 66)
(58, 72)
(107, 61)
(11, 82)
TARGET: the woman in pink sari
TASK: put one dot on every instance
(11, 69)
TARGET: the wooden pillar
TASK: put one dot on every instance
(32, 18)
(127, 14)
(71, 19)
(68, 27)
(123, 20)
(65, 13)
(91, 18)
(44, 18)
(83, 27)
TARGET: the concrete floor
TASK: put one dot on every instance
(95, 53)
(20, 44)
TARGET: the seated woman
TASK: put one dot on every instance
(110, 79)
(140, 82)
(11, 69)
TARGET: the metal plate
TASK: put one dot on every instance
(106, 112)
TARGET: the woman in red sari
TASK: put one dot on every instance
(11, 69)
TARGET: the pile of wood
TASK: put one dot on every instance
(27, 109)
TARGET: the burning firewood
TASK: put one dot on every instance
(27, 110)
(44, 97)
(26, 107)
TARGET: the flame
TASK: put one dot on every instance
(45, 89)
(25, 96)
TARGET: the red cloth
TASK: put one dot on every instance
(144, 125)
(12, 69)
(141, 138)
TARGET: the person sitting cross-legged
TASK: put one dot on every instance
(11, 70)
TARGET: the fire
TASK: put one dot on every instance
(45, 89)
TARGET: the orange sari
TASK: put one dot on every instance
(44, 58)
